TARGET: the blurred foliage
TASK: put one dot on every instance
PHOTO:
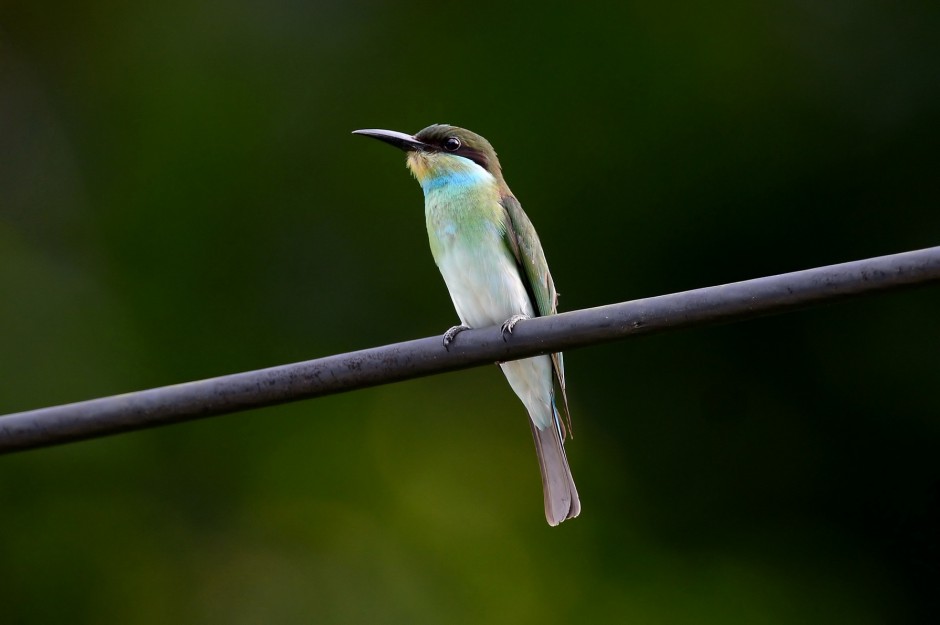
(180, 198)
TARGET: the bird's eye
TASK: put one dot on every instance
(451, 144)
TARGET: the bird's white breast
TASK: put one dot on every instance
(466, 229)
(483, 280)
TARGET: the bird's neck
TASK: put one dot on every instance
(447, 175)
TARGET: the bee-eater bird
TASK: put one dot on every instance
(496, 273)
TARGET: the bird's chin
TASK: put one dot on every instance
(419, 165)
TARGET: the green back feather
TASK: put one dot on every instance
(523, 242)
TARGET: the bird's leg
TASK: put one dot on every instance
(452, 333)
(510, 323)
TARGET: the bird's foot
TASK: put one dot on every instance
(510, 323)
(452, 333)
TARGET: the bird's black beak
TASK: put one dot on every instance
(399, 139)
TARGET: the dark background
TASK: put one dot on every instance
(180, 197)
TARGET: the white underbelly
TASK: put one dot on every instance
(484, 283)
(483, 279)
(486, 290)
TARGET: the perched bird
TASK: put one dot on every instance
(496, 273)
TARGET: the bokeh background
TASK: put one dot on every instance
(180, 197)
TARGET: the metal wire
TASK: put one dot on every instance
(422, 357)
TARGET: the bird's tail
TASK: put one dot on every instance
(561, 496)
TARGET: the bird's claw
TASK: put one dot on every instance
(452, 333)
(510, 323)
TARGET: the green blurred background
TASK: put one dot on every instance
(180, 197)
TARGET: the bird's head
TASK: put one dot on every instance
(442, 152)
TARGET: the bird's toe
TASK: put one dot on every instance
(510, 324)
(452, 333)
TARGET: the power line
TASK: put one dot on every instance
(411, 359)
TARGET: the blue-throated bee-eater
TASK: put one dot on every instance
(496, 273)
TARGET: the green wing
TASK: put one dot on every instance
(524, 243)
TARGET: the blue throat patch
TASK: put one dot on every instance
(469, 177)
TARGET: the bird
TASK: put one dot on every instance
(495, 270)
